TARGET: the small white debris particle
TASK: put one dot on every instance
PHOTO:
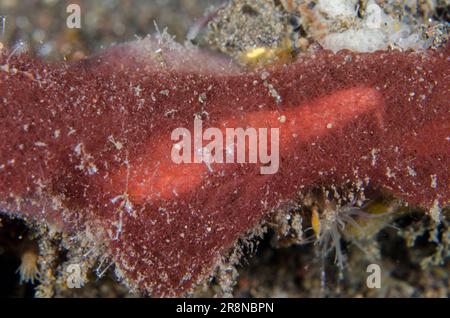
(71, 131)
(78, 149)
(435, 212)
(265, 75)
(40, 144)
(165, 92)
(434, 181)
(92, 169)
(273, 92)
(389, 173)
(116, 144)
(411, 172)
(137, 91)
(202, 98)
(374, 156)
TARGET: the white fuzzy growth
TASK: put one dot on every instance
(363, 40)
(370, 37)
(405, 40)
(338, 8)
(376, 18)
(375, 31)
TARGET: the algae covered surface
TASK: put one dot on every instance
(323, 244)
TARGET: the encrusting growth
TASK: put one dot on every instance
(85, 146)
